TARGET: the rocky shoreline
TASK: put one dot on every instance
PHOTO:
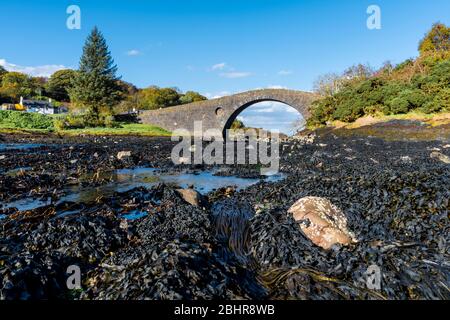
(232, 244)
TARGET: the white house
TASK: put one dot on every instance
(43, 107)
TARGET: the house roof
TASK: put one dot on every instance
(37, 104)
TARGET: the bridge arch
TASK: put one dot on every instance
(244, 107)
(220, 113)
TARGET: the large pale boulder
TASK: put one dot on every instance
(191, 196)
(440, 156)
(122, 155)
(322, 222)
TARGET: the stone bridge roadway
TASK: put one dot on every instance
(220, 113)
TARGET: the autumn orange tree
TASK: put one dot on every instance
(437, 39)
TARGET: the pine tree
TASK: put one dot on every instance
(95, 87)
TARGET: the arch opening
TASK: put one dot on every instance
(268, 115)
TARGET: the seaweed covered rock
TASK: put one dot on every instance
(168, 270)
(175, 219)
(83, 236)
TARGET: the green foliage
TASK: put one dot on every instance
(87, 120)
(154, 98)
(59, 84)
(422, 85)
(404, 64)
(191, 96)
(441, 102)
(398, 105)
(2, 72)
(25, 120)
(95, 86)
(15, 84)
(237, 124)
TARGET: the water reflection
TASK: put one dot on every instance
(126, 179)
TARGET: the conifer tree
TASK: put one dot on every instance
(95, 86)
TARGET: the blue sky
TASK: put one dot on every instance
(217, 47)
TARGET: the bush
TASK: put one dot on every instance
(403, 65)
(25, 120)
(85, 121)
(349, 111)
(440, 102)
(398, 105)
(426, 89)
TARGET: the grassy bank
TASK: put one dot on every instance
(133, 129)
(17, 122)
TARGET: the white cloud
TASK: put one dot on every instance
(38, 71)
(272, 106)
(271, 115)
(217, 95)
(285, 72)
(235, 75)
(276, 87)
(133, 53)
(219, 66)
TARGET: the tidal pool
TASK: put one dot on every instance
(19, 146)
(126, 179)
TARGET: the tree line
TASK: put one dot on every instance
(94, 89)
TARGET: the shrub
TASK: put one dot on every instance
(321, 111)
(398, 105)
(59, 124)
(416, 98)
(349, 111)
(439, 103)
(85, 121)
(26, 120)
(403, 65)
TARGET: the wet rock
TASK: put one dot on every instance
(123, 155)
(175, 219)
(321, 221)
(406, 159)
(191, 196)
(183, 160)
(440, 156)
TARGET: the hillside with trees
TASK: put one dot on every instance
(93, 93)
(421, 84)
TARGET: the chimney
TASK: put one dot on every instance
(21, 101)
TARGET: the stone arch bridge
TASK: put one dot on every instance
(220, 113)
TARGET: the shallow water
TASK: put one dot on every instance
(27, 204)
(19, 146)
(126, 179)
(134, 215)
